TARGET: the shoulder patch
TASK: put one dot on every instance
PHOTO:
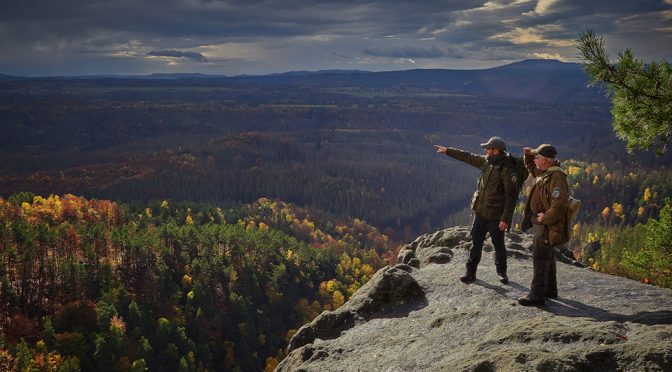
(556, 192)
(514, 179)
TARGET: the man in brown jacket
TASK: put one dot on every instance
(546, 214)
(493, 202)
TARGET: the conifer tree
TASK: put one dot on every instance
(641, 93)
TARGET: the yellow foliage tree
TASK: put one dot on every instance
(573, 170)
(251, 226)
(186, 280)
(331, 286)
(337, 300)
(271, 364)
(368, 270)
(606, 212)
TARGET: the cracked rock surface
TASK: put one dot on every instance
(418, 316)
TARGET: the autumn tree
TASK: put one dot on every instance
(641, 93)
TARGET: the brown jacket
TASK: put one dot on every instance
(497, 190)
(554, 194)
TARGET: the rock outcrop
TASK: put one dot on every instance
(386, 293)
(417, 315)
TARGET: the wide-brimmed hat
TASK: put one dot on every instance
(545, 150)
(494, 143)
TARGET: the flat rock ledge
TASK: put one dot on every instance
(418, 316)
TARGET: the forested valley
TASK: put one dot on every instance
(92, 284)
(185, 223)
(356, 144)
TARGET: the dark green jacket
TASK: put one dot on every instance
(497, 190)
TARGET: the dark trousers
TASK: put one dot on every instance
(544, 280)
(479, 229)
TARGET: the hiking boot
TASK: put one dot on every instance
(503, 278)
(469, 275)
(531, 301)
(468, 278)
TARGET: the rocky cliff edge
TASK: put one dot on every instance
(418, 316)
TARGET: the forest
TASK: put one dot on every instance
(358, 145)
(194, 224)
(92, 284)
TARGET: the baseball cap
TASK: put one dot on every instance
(545, 150)
(494, 143)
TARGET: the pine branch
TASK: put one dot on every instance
(601, 70)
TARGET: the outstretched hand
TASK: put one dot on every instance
(440, 149)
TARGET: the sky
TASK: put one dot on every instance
(235, 37)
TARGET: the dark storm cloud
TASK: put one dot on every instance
(196, 57)
(603, 13)
(281, 35)
(74, 19)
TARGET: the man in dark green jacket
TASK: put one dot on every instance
(493, 202)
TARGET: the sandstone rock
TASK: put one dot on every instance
(434, 248)
(564, 254)
(599, 322)
(388, 289)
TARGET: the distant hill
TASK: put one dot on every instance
(535, 80)
(181, 76)
(320, 72)
(538, 80)
(538, 65)
(4, 77)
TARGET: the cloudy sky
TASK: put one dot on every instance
(232, 37)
